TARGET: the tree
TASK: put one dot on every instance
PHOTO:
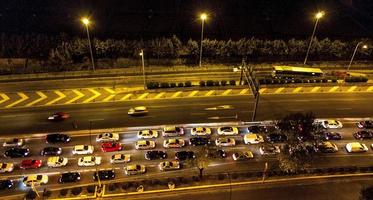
(201, 161)
(366, 193)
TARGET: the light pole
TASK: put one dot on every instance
(318, 16)
(203, 18)
(143, 67)
(86, 23)
(353, 55)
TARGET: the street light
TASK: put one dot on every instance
(318, 16)
(86, 23)
(353, 55)
(203, 18)
(143, 67)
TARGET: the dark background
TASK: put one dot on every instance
(272, 19)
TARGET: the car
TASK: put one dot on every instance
(57, 138)
(225, 142)
(253, 138)
(107, 137)
(356, 147)
(331, 135)
(257, 129)
(184, 155)
(326, 147)
(269, 149)
(363, 135)
(6, 167)
(139, 110)
(120, 158)
(83, 149)
(201, 131)
(57, 161)
(6, 184)
(88, 161)
(365, 124)
(173, 143)
(111, 146)
(152, 155)
(169, 165)
(144, 144)
(199, 141)
(331, 124)
(242, 155)
(69, 177)
(104, 175)
(171, 131)
(59, 116)
(216, 153)
(276, 137)
(51, 151)
(35, 180)
(14, 142)
(134, 169)
(147, 134)
(17, 152)
(30, 164)
(228, 130)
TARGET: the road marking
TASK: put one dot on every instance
(159, 95)
(42, 97)
(108, 98)
(193, 93)
(60, 96)
(176, 94)
(262, 90)
(296, 90)
(351, 89)
(126, 97)
(143, 96)
(370, 89)
(333, 89)
(23, 98)
(279, 90)
(244, 91)
(5, 98)
(209, 93)
(111, 91)
(226, 92)
(315, 89)
(197, 113)
(78, 96)
(96, 94)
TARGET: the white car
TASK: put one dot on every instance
(134, 169)
(147, 134)
(169, 165)
(331, 124)
(88, 161)
(6, 167)
(107, 137)
(228, 130)
(225, 142)
(242, 155)
(171, 131)
(83, 149)
(201, 131)
(139, 110)
(15, 142)
(173, 143)
(57, 161)
(120, 158)
(252, 138)
(35, 180)
(356, 147)
(144, 144)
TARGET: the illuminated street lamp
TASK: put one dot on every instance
(86, 23)
(318, 16)
(203, 18)
(143, 67)
(353, 55)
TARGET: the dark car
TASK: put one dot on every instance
(276, 137)
(57, 138)
(51, 151)
(104, 175)
(257, 129)
(199, 141)
(152, 155)
(69, 177)
(6, 184)
(365, 124)
(332, 136)
(363, 135)
(184, 155)
(17, 152)
(218, 153)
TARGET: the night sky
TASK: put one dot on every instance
(234, 19)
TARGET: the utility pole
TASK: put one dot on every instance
(254, 86)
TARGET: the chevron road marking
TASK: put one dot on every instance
(209, 93)
(368, 90)
(159, 95)
(262, 90)
(244, 91)
(279, 90)
(78, 96)
(315, 89)
(60, 96)
(193, 93)
(176, 94)
(226, 92)
(23, 98)
(143, 96)
(42, 97)
(351, 89)
(333, 89)
(5, 98)
(112, 92)
(96, 94)
(126, 97)
(296, 90)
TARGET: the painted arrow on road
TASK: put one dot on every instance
(60, 96)
(23, 98)
(42, 97)
(96, 94)
(78, 96)
(5, 98)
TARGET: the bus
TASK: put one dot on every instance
(291, 72)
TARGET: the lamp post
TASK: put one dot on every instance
(86, 23)
(318, 16)
(143, 67)
(353, 56)
(203, 18)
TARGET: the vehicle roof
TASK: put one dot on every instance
(297, 69)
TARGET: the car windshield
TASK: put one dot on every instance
(60, 160)
(39, 177)
(3, 165)
(85, 147)
(227, 128)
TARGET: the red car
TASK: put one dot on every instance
(30, 164)
(59, 116)
(111, 146)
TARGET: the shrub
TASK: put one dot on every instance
(188, 84)
(172, 85)
(152, 85)
(234, 176)
(76, 191)
(216, 83)
(31, 195)
(125, 186)
(317, 80)
(112, 187)
(324, 80)
(334, 80)
(262, 81)
(232, 82)
(202, 83)
(165, 85)
(196, 178)
(223, 83)
(297, 81)
(180, 85)
(209, 83)
(63, 192)
(221, 176)
(91, 189)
